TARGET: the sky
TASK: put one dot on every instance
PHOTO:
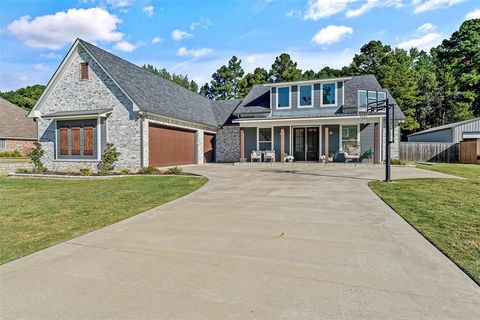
(197, 37)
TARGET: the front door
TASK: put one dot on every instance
(312, 144)
(299, 144)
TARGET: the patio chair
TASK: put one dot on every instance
(269, 156)
(256, 156)
(352, 152)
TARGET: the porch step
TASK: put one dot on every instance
(307, 164)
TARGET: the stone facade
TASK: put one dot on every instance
(24, 146)
(98, 92)
(227, 144)
(396, 145)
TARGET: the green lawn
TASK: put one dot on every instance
(38, 213)
(445, 211)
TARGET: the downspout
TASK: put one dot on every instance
(142, 118)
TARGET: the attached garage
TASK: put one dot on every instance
(208, 147)
(170, 146)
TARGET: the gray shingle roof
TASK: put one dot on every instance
(256, 101)
(445, 126)
(152, 93)
(223, 110)
(14, 122)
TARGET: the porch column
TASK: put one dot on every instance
(325, 143)
(282, 145)
(242, 148)
(376, 144)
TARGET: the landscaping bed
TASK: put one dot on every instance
(38, 213)
(445, 211)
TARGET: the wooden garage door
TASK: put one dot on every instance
(208, 147)
(168, 146)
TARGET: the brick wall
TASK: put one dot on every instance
(24, 146)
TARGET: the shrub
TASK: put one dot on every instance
(36, 156)
(22, 170)
(174, 170)
(149, 170)
(109, 158)
(85, 171)
(395, 161)
(125, 172)
(39, 169)
(10, 154)
(368, 154)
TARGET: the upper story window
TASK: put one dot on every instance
(329, 94)
(367, 98)
(83, 71)
(305, 96)
(283, 98)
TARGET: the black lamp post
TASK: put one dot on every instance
(379, 105)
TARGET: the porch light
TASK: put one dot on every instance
(330, 132)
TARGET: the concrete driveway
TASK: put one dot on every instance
(254, 243)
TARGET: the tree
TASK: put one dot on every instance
(206, 91)
(284, 69)
(25, 98)
(259, 76)
(225, 81)
(179, 79)
(370, 59)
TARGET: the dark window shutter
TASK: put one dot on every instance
(88, 140)
(75, 140)
(64, 141)
(83, 71)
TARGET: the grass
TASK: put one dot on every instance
(445, 211)
(38, 213)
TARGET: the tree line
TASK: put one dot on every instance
(432, 88)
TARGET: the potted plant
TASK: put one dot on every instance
(287, 158)
(367, 156)
(331, 155)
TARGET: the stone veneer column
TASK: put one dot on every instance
(199, 146)
(242, 145)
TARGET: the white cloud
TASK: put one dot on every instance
(55, 31)
(428, 5)
(475, 14)
(157, 40)
(194, 53)
(370, 4)
(293, 13)
(318, 9)
(204, 23)
(52, 55)
(331, 34)
(40, 67)
(149, 10)
(178, 34)
(119, 3)
(126, 46)
(426, 27)
(423, 43)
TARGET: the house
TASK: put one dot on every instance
(453, 132)
(17, 132)
(95, 97)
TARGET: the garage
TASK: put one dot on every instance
(208, 147)
(170, 146)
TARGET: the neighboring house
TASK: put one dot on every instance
(95, 97)
(17, 131)
(453, 132)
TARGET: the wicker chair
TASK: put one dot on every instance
(256, 156)
(269, 156)
(352, 152)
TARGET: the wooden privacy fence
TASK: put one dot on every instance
(429, 151)
(470, 151)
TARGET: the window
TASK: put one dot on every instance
(265, 139)
(83, 71)
(368, 98)
(76, 139)
(283, 97)
(2, 144)
(349, 136)
(329, 94)
(305, 96)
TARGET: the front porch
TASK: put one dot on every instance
(313, 142)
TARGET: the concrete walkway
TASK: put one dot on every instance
(254, 243)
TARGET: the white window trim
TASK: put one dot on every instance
(358, 100)
(4, 144)
(311, 97)
(340, 147)
(258, 137)
(321, 95)
(289, 98)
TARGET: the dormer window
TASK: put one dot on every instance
(305, 96)
(283, 98)
(329, 94)
(83, 71)
(367, 98)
